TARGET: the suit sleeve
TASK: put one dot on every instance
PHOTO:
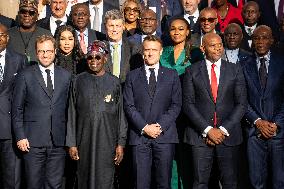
(71, 121)
(122, 135)
(189, 105)
(136, 119)
(19, 95)
(240, 102)
(169, 117)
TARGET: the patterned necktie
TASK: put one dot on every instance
(82, 43)
(115, 59)
(262, 73)
(49, 82)
(191, 24)
(96, 21)
(214, 89)
(249, 31)
(152, 82)
(1, 71)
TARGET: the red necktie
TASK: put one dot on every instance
(82, 43)
(214, 89)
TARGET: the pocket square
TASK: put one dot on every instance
(15, 74)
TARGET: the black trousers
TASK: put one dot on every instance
(10, 166)
(44, 167)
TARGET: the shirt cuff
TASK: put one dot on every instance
(204, 134)
(224, 130)
(256, 120)
(142, 131)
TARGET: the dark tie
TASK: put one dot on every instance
(191, 24)
(152, 82)
(49, 82)
(249, 31)
(214, 89)
(1, 71)
(262, 73)
(58, 22)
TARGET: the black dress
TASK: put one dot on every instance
(70, 63)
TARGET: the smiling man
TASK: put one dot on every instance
(39, 117)
(23, 37)
(97, 128)
(214, 100)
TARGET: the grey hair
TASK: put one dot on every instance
(113, 14)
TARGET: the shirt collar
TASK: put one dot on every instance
(63, 19)
(100, 5)
(42, 69)
(113, 43)
(3, 52)
(252, 27)
(267, 56)
(195, 14)
(156, 67)
(84, 32)
(232, 50)
(217, 63)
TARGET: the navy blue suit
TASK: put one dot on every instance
(199, 107)
(142, 109)
(267, 104)
(40, 117)
(14, 62)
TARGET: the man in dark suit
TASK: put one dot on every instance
(58, 16)
(191, 13)
(215, 106)
(98, 9)
(152, 101)
(39, 117)
(232, 39)
(265, 115)
(10, 64)
(251, 16)
(120, 58)
(80, 15)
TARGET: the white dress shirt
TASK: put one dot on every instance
(92, 12)
(53, 25)
(148, 72)
(217, 71)
(2, 60)
(44, 74)
(232, 55)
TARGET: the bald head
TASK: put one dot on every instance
(208, 20)
(212, 47)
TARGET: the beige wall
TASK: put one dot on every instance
(9, 8)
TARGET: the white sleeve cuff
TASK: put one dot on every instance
(224, 130)
(204, 134)
(256, 120)
(142, 131)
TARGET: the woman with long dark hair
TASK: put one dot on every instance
(181, 53)
(69, 54)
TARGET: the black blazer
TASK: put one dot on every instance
(266, 104)
(199, 106)
(8, 22)
(141, 108)
(36, 114)
(95, 35)
(14, 62)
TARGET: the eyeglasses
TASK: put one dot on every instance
(211, 20)
(128, 9)
(144, 20)
(97, 57)
(42, 52)
(80, 14)
(29, 12)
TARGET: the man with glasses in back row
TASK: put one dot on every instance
(39, 117)
(23, 37)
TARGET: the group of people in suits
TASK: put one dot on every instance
(129, 97)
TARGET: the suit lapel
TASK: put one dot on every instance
(40, 80)
(108, 65)
(222, 79)
(144, 80)
(272, 70)
(205, 78)
(57, 83)
(253, 74)
(8, 70)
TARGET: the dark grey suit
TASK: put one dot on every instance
(14, 62)
(199, 107)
